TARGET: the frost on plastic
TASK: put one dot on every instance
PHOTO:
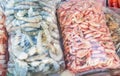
(87, 41)
(33, 37)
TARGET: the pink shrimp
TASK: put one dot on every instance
(86, 37)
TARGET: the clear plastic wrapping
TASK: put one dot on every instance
(34, 41)
(3, 46)
(87, 41)
(116, 10)
(100, 1)
(113, 24)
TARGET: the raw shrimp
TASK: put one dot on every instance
(32, 27)
(87, 41)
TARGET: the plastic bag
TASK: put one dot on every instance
(101, 1)
(113, 24)
(87, 42)
(34, 44)
(3, 46)
(116, 10)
